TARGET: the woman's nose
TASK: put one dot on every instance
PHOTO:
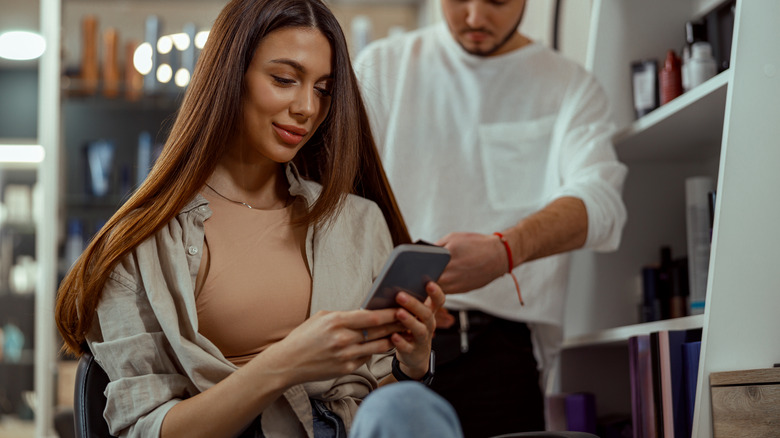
(305, 103)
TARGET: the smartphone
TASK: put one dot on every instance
(409, 268)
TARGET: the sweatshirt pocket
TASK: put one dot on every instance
(515, 162)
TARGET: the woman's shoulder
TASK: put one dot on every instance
(361, 204)
(353, 205)
(184, 230)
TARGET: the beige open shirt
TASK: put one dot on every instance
(145, 335)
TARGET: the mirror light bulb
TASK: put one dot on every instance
(200, 38)
(165, 44)
(142, 58)
(21, 45)
(181, 41)
(182, 77)
(164, 73)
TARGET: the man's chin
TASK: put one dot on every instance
(477, 49)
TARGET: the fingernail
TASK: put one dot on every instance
(402, 297)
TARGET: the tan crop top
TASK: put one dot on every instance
(253, 285)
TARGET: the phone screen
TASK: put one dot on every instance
(409, 268)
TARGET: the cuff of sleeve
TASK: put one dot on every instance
(606, 214)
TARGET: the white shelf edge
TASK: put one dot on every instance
(18, 166)
(704, 7)
(10, 153)
(621, 334)
(664, 112)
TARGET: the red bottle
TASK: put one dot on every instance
(670, 78)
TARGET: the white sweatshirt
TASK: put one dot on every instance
(475, 144)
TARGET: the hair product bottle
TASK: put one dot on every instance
(698, 219)
(670, 78)
(111, 74)
(134, 80)
(695, 31)
(702, 64)
(644, 80)
(89, 54)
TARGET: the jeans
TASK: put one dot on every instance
(326, 424)
(405, 409)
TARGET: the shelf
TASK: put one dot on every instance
(111, 202)
(9, 150)
(27, 360)
(24, 363)
(703, 7)
(169, 99)
(4, 165)
(18, 227)
(689, 128)
(618, 335)
(7, 295)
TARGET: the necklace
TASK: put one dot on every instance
(286, 202)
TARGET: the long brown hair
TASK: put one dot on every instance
(341, 155)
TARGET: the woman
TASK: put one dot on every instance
(220, 298)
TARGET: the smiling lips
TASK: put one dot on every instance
(290, 134)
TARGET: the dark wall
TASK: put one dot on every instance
(19, 103)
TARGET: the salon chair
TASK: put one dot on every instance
(89, 401)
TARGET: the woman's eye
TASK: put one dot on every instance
(282, 81)
(325, 92)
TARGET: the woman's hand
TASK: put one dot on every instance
(413, 344)
(331, 344)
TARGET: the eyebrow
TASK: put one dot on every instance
(296, 65)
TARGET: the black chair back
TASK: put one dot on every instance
(89, 401)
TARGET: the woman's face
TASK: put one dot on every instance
(287, 92)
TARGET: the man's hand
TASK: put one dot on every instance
(476, 260)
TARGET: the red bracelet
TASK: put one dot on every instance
(511, 265)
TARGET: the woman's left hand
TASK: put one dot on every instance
(413, 347)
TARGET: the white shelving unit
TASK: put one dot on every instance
(46, 243)
(687, 128)
(619, 335)
(728, 129)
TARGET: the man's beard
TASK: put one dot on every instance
(498, 46)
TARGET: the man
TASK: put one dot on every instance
(500, 150)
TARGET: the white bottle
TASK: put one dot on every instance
(698, 230)
(702, 64)
(684, 67)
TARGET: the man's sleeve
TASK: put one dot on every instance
(372, 74)
(589, 165)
